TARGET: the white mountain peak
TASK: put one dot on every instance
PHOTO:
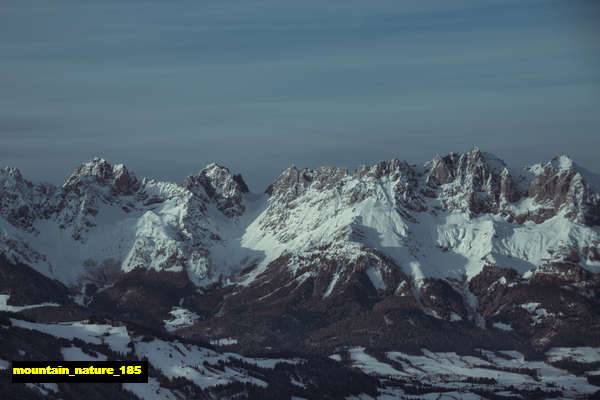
(449, 218)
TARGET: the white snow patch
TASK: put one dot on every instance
(150, 391)
(454, 317)
(181, 318)
(296, 382)
(530, 307)
(176, 359)
(502, 326)
(578, 354)
(539, 313)
(74, 353)
(450, 369)
(5, 307)
(331, 285)
(375, 277)
(370, 365)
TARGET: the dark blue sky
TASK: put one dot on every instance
(169, 86)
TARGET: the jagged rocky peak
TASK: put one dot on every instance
(509, 191)
(474, 168)
(215, 182)
(91, 184)
(563, 186)
(553, 181)
(292, 183)
(15, 198)
(403, 177)
(12, 182)
(325, 178)
(9, 172)
(474, 182)
(98, 171)
(480, 182)
(21, 201)
(393, 169)
(441, 169)
(222, 180)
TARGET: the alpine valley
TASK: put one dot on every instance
(461, 278)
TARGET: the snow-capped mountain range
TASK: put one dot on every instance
(447, 218)
(460, 253)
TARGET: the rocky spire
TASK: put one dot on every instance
(565, 187)
(216, 183)
(290, 184)
(98, 171)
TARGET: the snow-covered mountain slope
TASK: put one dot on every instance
(445, 219)
(103, 221)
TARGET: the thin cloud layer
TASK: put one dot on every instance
(168, 87)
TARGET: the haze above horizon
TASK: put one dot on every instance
(168, 87)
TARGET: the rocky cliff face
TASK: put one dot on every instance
(216, 183)
(481, 183)
(92, 185)
(473, 182)
(561, 186)
(21, 201)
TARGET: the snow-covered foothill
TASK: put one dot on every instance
(577, 354)
(74, 353)
(116, 337)
(371, 365)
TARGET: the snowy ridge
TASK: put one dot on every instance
(466, 217)
(446, 219)
(104, 222)
(6, 307)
